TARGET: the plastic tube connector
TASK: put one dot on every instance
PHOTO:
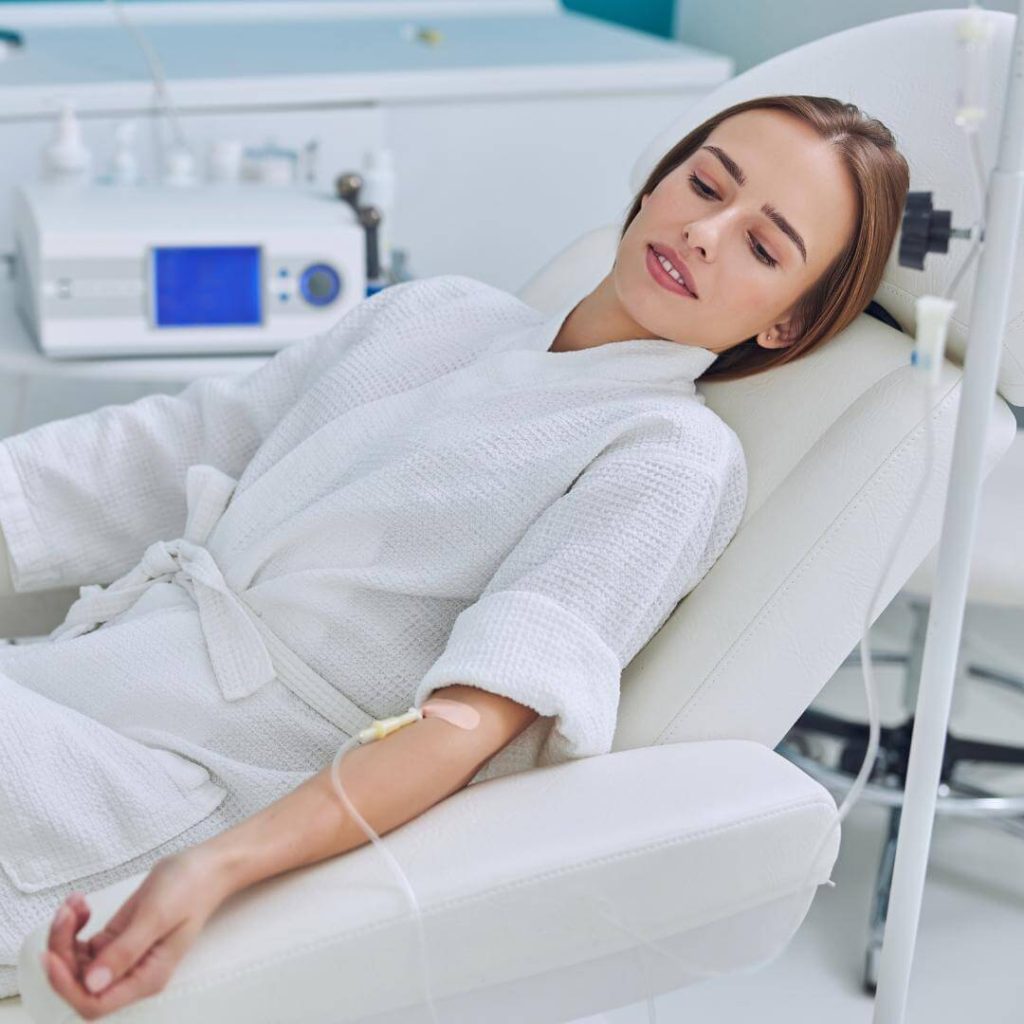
(378, 729)
(464, 716)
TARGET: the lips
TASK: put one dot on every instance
(677, 261)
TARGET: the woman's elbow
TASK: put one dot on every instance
(501, 719)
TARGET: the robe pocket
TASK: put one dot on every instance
(77, 797)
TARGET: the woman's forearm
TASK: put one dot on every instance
(390, 782)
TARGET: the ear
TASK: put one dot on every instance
(780, 335)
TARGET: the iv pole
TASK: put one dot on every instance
(989, 309)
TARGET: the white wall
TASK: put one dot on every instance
(751, 31)
(490, 187)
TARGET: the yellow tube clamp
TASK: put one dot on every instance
(380, 728)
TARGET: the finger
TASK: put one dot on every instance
(61, 940)
(126, 950)
(129, 988)
(83, 911)
(78, 901)
(55, 939)
(64, 984)
(115, 926)
(148, 976)
(99, 942)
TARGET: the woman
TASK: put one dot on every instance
(515, 505)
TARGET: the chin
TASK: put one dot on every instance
(647, 313)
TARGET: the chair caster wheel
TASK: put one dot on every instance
(871, 961)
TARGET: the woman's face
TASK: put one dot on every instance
(747, 270)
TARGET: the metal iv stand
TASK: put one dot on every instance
(989, 309)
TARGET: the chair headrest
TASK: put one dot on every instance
(916, 99)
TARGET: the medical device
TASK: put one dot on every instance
(923, 230)
(120, 268)
(104, 270)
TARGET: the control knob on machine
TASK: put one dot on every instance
(320, 284)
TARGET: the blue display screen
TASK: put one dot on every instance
(208, 285)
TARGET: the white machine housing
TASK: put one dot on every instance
(107, 270)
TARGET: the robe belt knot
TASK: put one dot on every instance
(238, 654)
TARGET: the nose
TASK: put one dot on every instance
(702, 234)
(697, 240)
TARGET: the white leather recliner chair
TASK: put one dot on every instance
(694, 829)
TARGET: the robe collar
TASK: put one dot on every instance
(640, 359)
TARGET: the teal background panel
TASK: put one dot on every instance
(653, 16)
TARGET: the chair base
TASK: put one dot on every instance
(887, 779)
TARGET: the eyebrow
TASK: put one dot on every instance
(769, 211)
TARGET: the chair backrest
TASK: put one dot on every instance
(835, 441)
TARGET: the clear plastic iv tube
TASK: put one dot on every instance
(389, 857)
(974, 38)
(931, 342)
(605, 908)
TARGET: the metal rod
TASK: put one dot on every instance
(988, 319)
(950, 800)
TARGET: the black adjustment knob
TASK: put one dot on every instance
(347, 188)
(924, 230)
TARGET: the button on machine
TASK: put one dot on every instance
(320, 284)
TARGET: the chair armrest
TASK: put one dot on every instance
(506, 872)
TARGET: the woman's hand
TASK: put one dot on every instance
(142, 943)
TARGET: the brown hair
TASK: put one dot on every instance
(881, 180)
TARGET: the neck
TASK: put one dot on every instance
(598, 318)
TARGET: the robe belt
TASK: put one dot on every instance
(240, 659)
(244, 651)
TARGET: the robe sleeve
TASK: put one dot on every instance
(591, 580)
(81, 498)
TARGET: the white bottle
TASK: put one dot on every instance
(65, 157)
(180, 168)
(379, 190)
(224, 161)
(124, 169)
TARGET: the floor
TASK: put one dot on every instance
(968, 959)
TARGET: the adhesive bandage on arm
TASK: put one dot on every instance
(462, 715)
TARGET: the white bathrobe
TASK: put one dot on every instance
(423, 495)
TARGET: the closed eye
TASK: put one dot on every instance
(707, 193)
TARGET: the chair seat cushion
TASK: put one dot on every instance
(707, 848)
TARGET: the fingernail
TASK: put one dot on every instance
(63, 914)
(98, 979)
